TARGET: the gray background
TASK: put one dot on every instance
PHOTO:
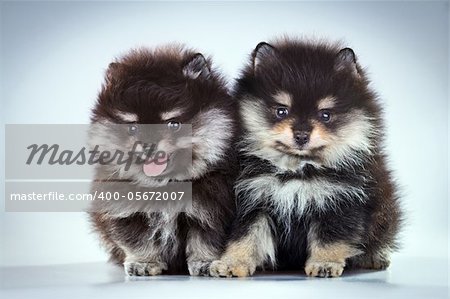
(53, 56)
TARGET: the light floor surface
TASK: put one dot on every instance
(406, 278)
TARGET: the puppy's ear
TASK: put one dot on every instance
(113, 71)
(346, 60)
(262, 52)
(197, 67)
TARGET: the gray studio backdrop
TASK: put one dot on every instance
(53, 56)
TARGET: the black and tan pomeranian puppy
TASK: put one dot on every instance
(314, 191)
(176, 87)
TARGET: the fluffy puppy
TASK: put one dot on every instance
(173, 86)
(314, 191)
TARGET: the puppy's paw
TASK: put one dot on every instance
(380, 263)
(199, 268)
(144, 269)
(372, 262)
(230, 268)
(375, 263)
(324, 269)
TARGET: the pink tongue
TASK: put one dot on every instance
(155, 169)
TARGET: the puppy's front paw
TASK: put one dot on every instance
(199, 268)
(144, 269)
(230, 268)
(324, 269)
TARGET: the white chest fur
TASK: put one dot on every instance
(296, 195)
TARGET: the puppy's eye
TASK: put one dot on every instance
(325, 115)
(133, 129)
(282, 112)
(174, 126)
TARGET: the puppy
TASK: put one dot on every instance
(314, 191)
(176, 87)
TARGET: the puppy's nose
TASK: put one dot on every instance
(301, 138)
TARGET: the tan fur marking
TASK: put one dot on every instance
(326, 103)
(284, 128)
(239, 259)
(282, 132)
(127, 116)
(283, 98)
(242, 257)
(165, 116)
(319, 136)
(328, 260)
(336, 252)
